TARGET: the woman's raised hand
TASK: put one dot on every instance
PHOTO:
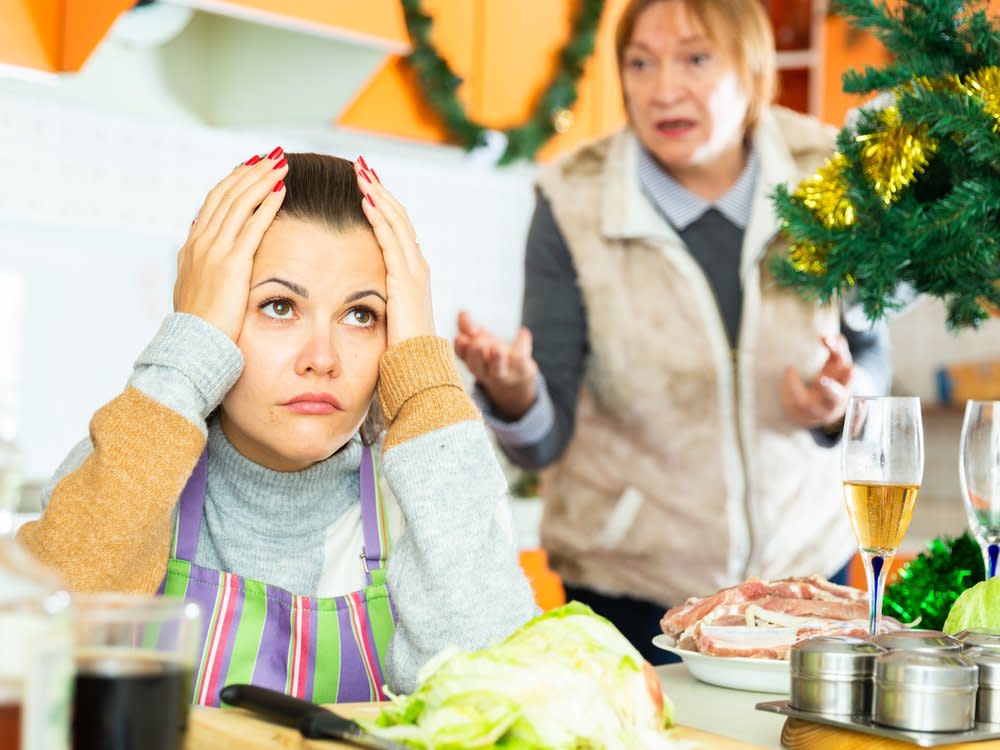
(214, 265)
(507, 372)
(407, 275)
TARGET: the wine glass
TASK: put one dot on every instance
(979, 472)
(882, 465)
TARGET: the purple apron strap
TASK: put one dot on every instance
(372, 552)
(189, 511)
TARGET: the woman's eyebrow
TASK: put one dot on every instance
(363, 293)
(299, 290)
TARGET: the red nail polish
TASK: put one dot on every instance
(281, 163)
(369, 197)
(361, 161)
(278, 151)
(364, 174)
(253, 160)
(278, 185)
(376, 175)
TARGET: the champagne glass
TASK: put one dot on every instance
(979, 472)
(882, 465)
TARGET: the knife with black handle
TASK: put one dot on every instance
(314, 722)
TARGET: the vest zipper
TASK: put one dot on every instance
(735, 354)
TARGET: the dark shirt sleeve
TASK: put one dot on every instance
(554, 312)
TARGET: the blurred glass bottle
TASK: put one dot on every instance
(11, 306)
(36, 628)
(36, 650)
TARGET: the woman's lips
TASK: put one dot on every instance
(313, 403)
(675, 128)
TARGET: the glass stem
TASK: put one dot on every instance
(990, 552)
(876, 570)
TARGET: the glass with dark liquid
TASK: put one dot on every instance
(134, 661)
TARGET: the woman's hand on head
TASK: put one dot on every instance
(407, 275)
(214, 265)
(507, 372)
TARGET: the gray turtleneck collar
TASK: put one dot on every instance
(271, 525)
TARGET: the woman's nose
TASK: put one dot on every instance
(671, 85)
(319, 354)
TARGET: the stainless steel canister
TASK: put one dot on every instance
(833, 675)
(988, 696)
(925, 692)
(921, 641)
(987, 640)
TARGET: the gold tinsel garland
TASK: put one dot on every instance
(985, 85)
(893, 156)
(891, 160)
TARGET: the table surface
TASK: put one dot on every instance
(724, 711)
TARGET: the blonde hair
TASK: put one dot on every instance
(740, 26)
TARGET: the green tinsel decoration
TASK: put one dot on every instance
(914, 193)
(440, 84)
(930, 583)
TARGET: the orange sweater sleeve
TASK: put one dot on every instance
(420, 390)
(108, 524)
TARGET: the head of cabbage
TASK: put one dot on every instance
(977, 608)
(566, 680)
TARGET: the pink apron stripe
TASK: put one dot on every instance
(232, 624)
(311, 614)
(359, 622)
(217, 644)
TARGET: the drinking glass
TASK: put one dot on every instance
(882, 465)
(135, 658)
(979, 472)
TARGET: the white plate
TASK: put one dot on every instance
(761, 675)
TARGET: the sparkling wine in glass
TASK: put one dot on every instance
(979, 472)
(882, 465)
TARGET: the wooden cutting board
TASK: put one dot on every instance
(224, 729)
(805, 735)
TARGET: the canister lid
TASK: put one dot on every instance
(988, 663)
(929, 641)
(988, 640)
(910, 669)
(834, 655)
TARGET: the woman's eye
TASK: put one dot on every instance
(360, 316)
(280, 309)
(700, 58)
(637, 63)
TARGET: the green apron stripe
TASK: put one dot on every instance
(380, 618)
(246, 647)
(326, 681)
(383, 526)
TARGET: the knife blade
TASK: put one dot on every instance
(313, 721)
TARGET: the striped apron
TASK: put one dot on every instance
(326, 650)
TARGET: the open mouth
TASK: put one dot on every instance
(675, 126)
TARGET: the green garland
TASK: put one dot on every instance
(912, 194)
(552, 113)
(930, 583)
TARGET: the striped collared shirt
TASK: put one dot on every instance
(682, 208)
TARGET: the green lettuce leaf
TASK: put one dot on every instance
(567, 680)
(977, 608)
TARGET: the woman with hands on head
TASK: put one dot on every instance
(686, 405)
(238, 467)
